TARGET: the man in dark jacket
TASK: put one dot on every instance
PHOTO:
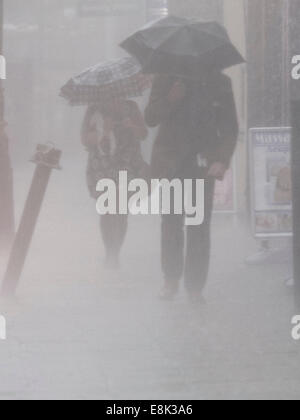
(196, 140)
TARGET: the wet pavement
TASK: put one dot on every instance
(77, 331)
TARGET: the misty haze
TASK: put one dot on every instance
(148, 307)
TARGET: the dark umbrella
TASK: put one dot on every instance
(107, 81)
(183, 47)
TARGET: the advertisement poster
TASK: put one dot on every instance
(270, 178)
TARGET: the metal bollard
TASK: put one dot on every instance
(46, 159)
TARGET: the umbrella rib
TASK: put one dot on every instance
(172, 35)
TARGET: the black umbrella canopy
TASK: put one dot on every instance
(183, 47)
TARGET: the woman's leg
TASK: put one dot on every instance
(120, 231)
(114, 230)
(107, 228)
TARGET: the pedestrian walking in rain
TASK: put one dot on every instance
(193, 104)
(112, 136)
(112, 132)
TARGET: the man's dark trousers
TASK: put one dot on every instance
(191, 260)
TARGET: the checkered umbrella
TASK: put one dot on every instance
(107, 81)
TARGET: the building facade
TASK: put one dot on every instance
(268, 62)
(206, 10)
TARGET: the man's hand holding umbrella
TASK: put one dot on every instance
(177, 92)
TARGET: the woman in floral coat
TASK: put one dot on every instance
(112, 135)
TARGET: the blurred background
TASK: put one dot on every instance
(80, 332)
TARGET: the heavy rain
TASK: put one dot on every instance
(109, 292)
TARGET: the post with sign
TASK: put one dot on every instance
(294, 13)
(295, 109)
(46, 159)
(6, 175)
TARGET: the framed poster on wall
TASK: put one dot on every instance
(270, 180)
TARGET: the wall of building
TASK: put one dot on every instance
(294, 43)
(234, 20)
(268, 68)
(46, 43)
(205, 10)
